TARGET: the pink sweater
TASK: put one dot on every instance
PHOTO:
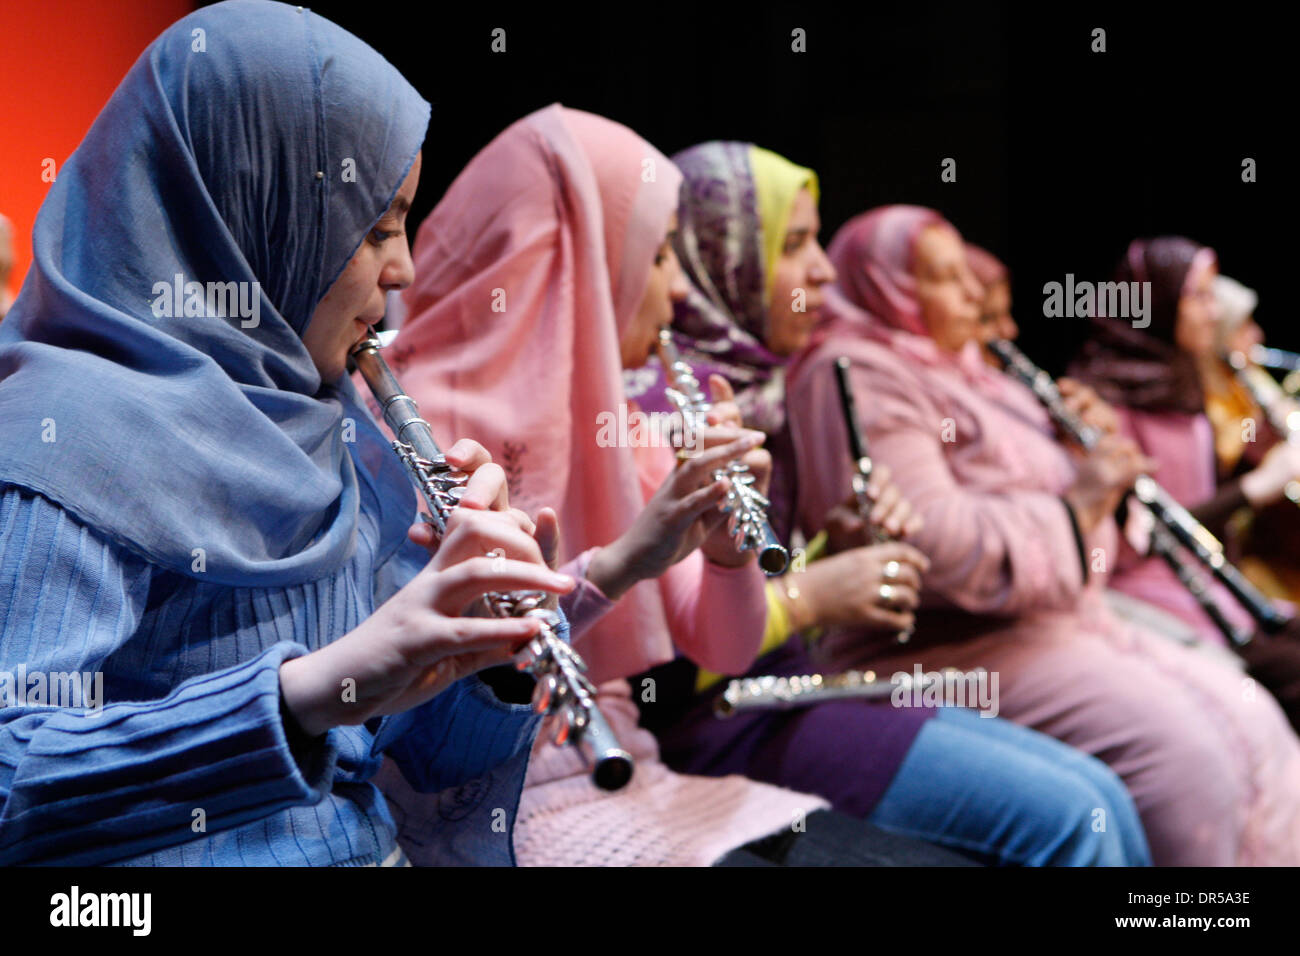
(716, 616)
(1213, 767)
(981, 467)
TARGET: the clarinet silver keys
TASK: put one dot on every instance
(562, 689)
(745, 507)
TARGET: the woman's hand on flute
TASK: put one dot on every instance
(419, 642)
(485, 490)
(725, 417)
(890, 511)
(680, 517)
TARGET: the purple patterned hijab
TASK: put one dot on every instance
(721, 325)
(1144, 369)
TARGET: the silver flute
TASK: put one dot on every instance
(745, 508)
(803, 690)
(862, 466)
(562, 688)
(1280, 359)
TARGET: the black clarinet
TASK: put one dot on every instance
(1170, 516)
(862, 464)
(1163, 544)
(562, 687)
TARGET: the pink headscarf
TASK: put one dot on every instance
(874, 296)
(987, 267)
(526, 272)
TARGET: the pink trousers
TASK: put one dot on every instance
(1207, 754)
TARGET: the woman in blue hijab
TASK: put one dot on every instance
(199, 518)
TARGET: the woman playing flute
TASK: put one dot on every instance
(546, 270)
(747, 239)
(199, 515)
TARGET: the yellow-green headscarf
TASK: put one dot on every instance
(776, 181)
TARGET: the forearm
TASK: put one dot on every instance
(717, 615)
(1229, 498)
(777, 631)
(588, 602)
(90, 787)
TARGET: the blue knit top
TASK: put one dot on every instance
(184, 757)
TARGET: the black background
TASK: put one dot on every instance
(1063, 155)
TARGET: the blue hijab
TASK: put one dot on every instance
(251, 142)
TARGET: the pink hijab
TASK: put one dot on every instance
(527, 271)
(874, 296)
(987, 267)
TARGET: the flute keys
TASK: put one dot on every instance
(572, 723)
(564, 729)
(545, 693)
(533, 652)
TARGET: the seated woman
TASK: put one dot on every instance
(996, 322)
(747, 239)
(199, 517)
(543, 272)
(1264, 541)
(1153, 377)
(1020, 536)
(1157, 378)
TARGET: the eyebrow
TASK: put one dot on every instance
(400, 204)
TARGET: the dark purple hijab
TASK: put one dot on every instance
(1144, 369)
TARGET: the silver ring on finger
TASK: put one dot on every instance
(891, 570)
(887, 593)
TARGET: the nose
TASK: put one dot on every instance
(821, 271)
(399, 271)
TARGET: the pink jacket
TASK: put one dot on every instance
(975, 455)
(1184, 446)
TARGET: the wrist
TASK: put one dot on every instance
(1085, 509)
(792, 592)
(727, 557)
(608, 571)
(1256, 488)
(298, 702)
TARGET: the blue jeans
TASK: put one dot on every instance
(1010, 796)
